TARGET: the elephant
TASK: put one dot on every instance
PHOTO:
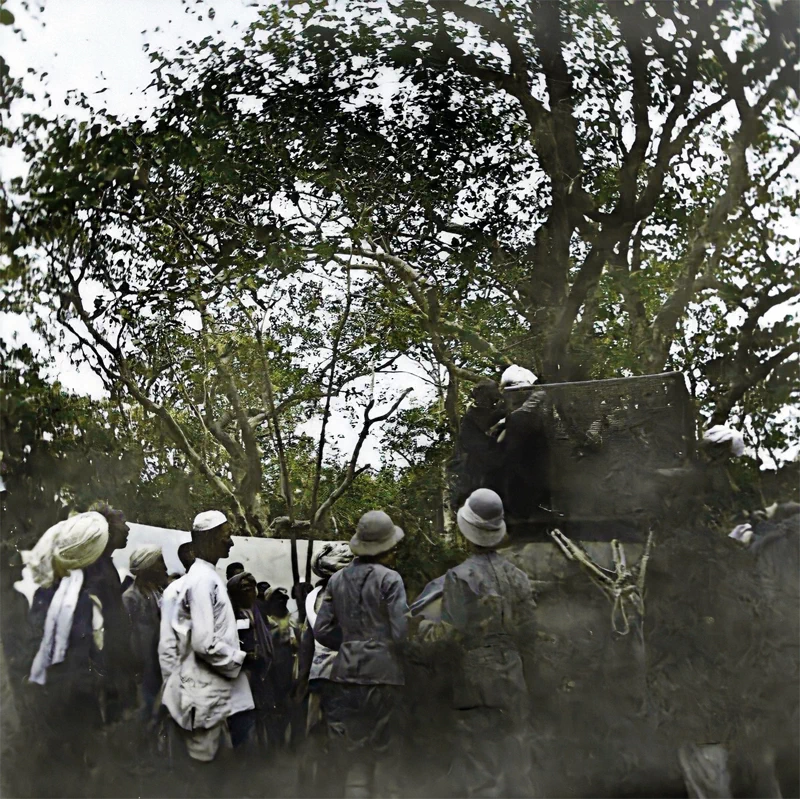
(708, 672)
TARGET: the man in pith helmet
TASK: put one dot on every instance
(487, 606)
(363, 618)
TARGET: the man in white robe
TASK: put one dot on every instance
(206, 685)
(168, 655)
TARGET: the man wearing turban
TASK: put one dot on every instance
(142, 603)
(102, 579)
(67, 631)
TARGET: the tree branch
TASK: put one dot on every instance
(633, 26)
(326, 414)
(175, 429)
(745, 380)
(711, 231)
(498, 30)
(251, 481)
(351, 473)
(416, 287)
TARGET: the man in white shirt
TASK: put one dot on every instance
(200, 653)
(168, 655)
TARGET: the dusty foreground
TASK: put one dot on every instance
(714, 661)
(117, 764)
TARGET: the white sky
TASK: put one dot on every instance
(93, 45)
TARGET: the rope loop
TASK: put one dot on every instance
(624, 587)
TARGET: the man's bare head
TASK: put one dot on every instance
(486, 394)
(186, 555)
(117, 526)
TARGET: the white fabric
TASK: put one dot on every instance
(204, 745)
(208, 520)
(168, 649)
(57, 627)
(719, 434)
(98, 623)
(322, 661)
(143, 558)
(517, 377)
(40, 559)
(207, 684)
(311, 611)
(73, 544)
(333, 556)
(742, 533)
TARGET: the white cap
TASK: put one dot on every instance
(208, 520)
(517, 377)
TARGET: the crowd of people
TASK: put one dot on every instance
(216, 669)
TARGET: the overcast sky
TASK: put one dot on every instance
(93, 46)
(97, 45)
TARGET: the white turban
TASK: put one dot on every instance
(719, 434)
(69, 547)
(517, 377)
(75, 543)
(143, 558)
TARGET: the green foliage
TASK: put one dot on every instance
(61, 452)
(583, 188)
(58, 451)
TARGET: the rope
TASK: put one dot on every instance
(616, 585)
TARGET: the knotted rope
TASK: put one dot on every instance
(624, 587)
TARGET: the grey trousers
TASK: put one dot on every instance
(493, 754)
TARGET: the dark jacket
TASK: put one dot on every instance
(363, 617)
(102, 580)
(145, 625)
(526, 458)
(489, 603)
(78, 673)
(256, 637)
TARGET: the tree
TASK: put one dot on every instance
(58, 451)
(570, 185)
(577, 187)
(228, 342)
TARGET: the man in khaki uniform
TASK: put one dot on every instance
(487, 607)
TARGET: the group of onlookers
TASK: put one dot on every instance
(220, 664)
